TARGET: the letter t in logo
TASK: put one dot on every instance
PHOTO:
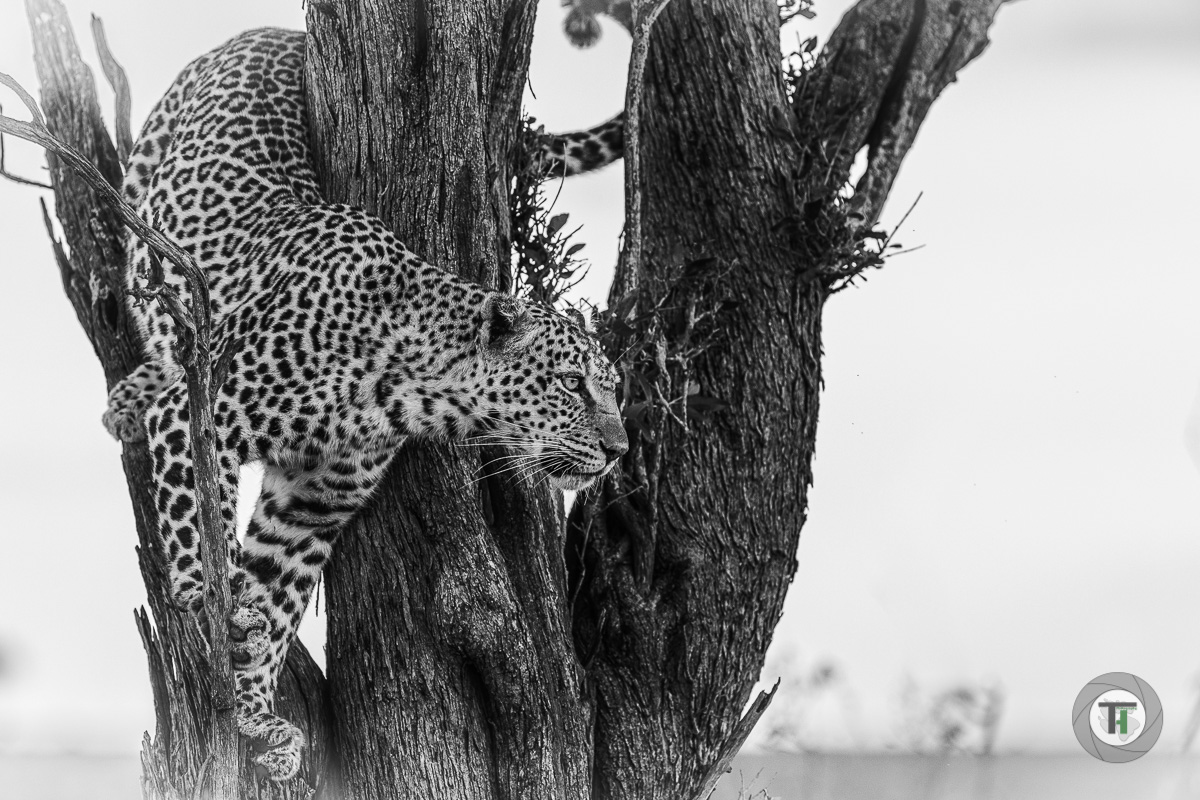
(1113, 721)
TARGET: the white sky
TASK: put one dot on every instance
(1002, 481)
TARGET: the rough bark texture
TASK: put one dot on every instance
(739, 190)
(680, 652)
(465, 659)
(450, 656)
(175, 758)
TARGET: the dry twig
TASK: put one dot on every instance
(733, 743)
(115, 74)
(4, 173)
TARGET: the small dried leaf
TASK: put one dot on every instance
(156, 270)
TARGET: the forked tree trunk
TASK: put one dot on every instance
(465, 659)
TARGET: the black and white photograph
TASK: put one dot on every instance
(599, 400)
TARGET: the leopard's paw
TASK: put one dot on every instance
(129, 399)
(123, 425)
(189, 597)
(279, 744)
(250, 641)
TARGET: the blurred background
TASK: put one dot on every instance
(1011, 418)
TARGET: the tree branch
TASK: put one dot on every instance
(838, 101)
(644, 13)
(36, 132)
(952, 34)
(4, 173)
(197, 363)
(883, 67)
(733, 743)
(117, 79)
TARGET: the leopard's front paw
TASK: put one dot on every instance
(250, 641)
(123, 425)
(187, 592)
(279, 744)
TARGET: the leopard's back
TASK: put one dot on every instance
(223, 162)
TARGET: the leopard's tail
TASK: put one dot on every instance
(566, 154)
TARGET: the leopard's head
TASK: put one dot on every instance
(549, 392)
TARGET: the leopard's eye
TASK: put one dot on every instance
(571, 382)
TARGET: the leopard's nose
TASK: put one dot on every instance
(611, 454)
(613, 441)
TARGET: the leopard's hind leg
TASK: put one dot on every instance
(299, 515)
(131, 397)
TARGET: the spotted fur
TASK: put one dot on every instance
(567, 154)
(344, 346)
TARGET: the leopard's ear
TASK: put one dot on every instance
(586, 322)
(507, 326)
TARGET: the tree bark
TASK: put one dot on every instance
(688, 558)
(679, 650)
(450, 656)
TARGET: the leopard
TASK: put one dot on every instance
(341, 346)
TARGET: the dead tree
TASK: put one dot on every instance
(475, 649)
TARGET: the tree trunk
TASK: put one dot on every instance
(688, 557)
(465, 659)
(174, 761)
(450, 657)
(725, 498)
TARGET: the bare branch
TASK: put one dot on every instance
(735, 740)
(37, 133)
(644, 14)
(26, 98)
(951, 34)
(4, 173)
(838, 101)
(115, 74)
(60, 255)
